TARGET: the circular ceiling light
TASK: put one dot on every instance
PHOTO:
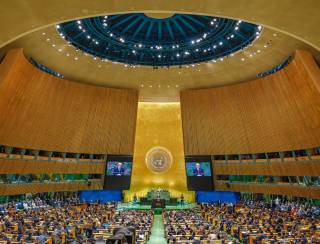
(178, 39)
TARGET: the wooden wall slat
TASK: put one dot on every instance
(275, 113)
(277, 189)
(270, 168)
(40, 111)
(17, 189)
(38, 167)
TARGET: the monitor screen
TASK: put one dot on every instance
(118, 172)
(199, 173)
(198, 168)
(118, 168)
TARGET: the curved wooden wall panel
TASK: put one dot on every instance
(38, 167)
(41, 111)
(271, 168)
(276, 113)
(277, 189)
(17, 189)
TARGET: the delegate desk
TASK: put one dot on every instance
(158, 203)
(160, 195)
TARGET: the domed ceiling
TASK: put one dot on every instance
(173, 40)
(108, 60)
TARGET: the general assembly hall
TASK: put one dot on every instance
(160, 121)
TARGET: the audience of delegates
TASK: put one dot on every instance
(138, 219)
(66, 221)
(70, 221)
(188, 226)
(261, 222)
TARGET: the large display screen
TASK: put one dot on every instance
(118, 168)
(118, 172)
(199, 173)
(198, 168)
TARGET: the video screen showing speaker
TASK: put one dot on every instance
(199, 173)
(118, 168)
(118, 172)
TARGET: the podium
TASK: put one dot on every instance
(158, 203)
(152, 198)
(162, 194)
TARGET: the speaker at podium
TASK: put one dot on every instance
(158, 203)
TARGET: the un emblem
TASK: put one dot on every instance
(158, 159)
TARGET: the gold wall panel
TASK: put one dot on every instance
(159, 125)
(41, 111)
(278, 112)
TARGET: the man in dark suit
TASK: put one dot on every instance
(198, 171)
(119, 170)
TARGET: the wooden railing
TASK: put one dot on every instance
(264, 188)
(23, 188)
